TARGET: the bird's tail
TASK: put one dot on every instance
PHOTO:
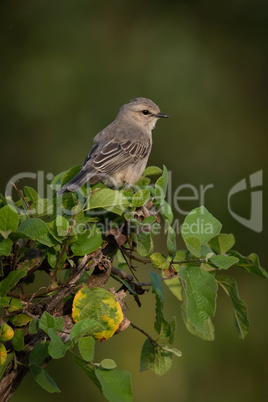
(73, 185)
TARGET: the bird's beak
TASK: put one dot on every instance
(159, 115)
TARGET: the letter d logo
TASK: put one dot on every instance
(255, 220)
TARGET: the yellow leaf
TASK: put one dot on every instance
(6, 333)
(3, 354)
(20, 320)
(100, 305)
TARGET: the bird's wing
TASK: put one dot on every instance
(90, 156)
(115, 156)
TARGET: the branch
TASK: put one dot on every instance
(67, 290)
(133, 257)
(148, 260)
(144, 333)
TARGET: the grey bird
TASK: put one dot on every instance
(121, 150)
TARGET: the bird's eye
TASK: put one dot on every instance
(145, 112)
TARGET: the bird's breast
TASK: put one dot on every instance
(127, 176)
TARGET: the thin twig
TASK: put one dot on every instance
(15, 257)
(27, 297)
(122, 274)
(144, 333)
(22, 196)
(163, 278)
(148, 261)
(133, 257)
(130, 266)
(188, 261)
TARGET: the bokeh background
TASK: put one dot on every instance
(66, 68)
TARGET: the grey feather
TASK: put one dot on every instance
(121, 150)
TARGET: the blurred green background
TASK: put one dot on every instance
(66, 68)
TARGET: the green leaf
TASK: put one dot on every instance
(208, 331)
(181, 255)
(31, 194)
(144, 244)
(39, 353)
(240, 309)
(194, 245)
(171, 241)
(162, 362)
(140, 198)
(166, 212)
(152, 171)
(67, 204)
(9, 220)
(53, 256)
(142, 182)
(147, 355)
(18, 340)
(88, 370)
(4, 301)
(20, 320)
(14, 304)
(222, 243)
(5, 246)
(36, 229)
(42, 207)
(148, 221)
(81, 219)
(107, 364)
(116, 384)
(201, 224)
(250, 264)
(108, 199)
(10, 281)
(68, 175)
(200, 289)
(167, 333)
(176, 352)
(62, 225)
(57, 180)
(87, 326)
(175, 287)
(33, 326)
(223, 261)
(43, 379)
(3, 367)
(161, 188)
(47, 321)
(206, 251)
(56, 347)
(87, 241)
(86, 347)
(159, 261)
(157, 289)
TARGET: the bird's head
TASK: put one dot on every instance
(143, 112)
